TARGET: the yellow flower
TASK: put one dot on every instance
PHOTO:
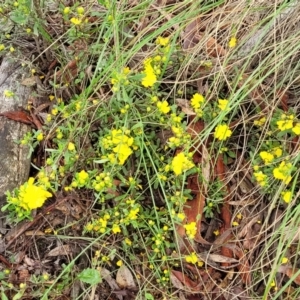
(283, 172)
(128, 241)
(181, 216)
(286, 122)
(266, 157)
(190, 229)
(197, 100)
(40, 136)
(116, 229)
(123, 151)
(162, 41)
(216, 232)
(181, 163)
(261, 178)
(32, 196)
(296, 129)
(192, 258)
(273, 283)
(239, 216)
(2, 47)
(8, 93)
(284, 260)
(12, 49)
(149, 74)
(260, 122)
(277, 151)
(235, 223)
(163, 106)
(287, 196)
(223, 103)
(222, 132)
(119, 263)
(232, 42)
(66, 10)
(83, 177)
(80, 10)
(75, 21)
(71, 146)
(133, 213)
(54, 111)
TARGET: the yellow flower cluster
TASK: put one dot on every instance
(181, 163)
(193, 259)
(30, 196)
(266, 157)
(149, 73)
(260, 122)
(285, 122)
(283, 172)
(190, 229)
(261, 178)
(222, 132)
(81, 179)
(287, 196)
(196, 103)
(181, 137)
(152, 65)
(120, 143)
(163, 106)
(79, 16)
(296, 129)
(102, 181)
(232, 43)
(162, 41)
(269, 156)
(8, 94)
(116, 229)
(223, 104)
(99, 225)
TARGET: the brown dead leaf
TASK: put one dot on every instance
(213, 48)
(193, 211)
(182, 281)
(190, 34)
(292, 273)
(29, 261)
(185, 106)
(225, 209)
(221, 258)
(206, 171)
(60, 250)
(18, 116)
(244, 266)
(30, 81)
(105, 274)
(125, 279)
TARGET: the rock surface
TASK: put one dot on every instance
(14, 158)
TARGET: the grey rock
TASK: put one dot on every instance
(14, 158)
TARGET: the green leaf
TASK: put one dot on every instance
(19, 17)
(3, 296)
(90, 276)
(101, 161)
(148, 296)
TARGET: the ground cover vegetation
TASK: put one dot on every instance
(165, 150)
